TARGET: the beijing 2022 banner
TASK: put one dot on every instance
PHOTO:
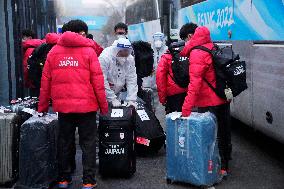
(244, 19)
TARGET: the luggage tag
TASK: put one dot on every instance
(229, 94)
(117, 113)
(143, 141)
(143, 115)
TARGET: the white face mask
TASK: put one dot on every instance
(158, 44)
(121, 60)
(120, 36)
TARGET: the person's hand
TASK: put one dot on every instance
(185, 114)
(116, 103)
(104, 111)
(131, 103)
(42, 114)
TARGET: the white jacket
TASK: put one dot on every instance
(150, 82)
(117, 76)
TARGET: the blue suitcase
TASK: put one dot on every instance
(192, 150)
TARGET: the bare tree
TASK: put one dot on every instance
(118, 15)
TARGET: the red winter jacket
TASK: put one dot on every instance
(28, 47)
(72, 77)
(201, 66)
(97, 48)
(165, 84)
(52, 38)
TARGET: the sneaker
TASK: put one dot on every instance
(64, 184)
(89, 186)
(223, 173)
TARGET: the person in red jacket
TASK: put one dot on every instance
(73, 79)
(28, 46)
(199, 94)
(98, 48)
(170, 94)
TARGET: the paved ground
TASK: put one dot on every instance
(257, 164)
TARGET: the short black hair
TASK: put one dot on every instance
(64, 28)
(122, 26)
(28, 33)
(90, 36)
(187, 29)
(75, 26)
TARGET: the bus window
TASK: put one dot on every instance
(141, 11)
(174, 6)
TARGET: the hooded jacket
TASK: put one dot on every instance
(52, 38)
(28, 47)
(118, 75)
(201, 66)
(165, 84)
(72, 77)
(150, 82)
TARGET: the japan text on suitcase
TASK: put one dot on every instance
(192, 150)
(150, 136)
(38, 144)
(9, 138)
(116, 148)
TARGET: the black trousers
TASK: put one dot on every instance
(34, 92)
(175, 102)
(223, 116)
(87, 129)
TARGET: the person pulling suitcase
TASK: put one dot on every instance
(72, 77)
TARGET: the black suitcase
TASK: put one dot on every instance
(38, 152)
(117, 157)
(148, 97)
(150, 136)
(9, 156)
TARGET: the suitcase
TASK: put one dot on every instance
(9, 138)
(150, 136)
(38, 151)
(146, 94)
(117, 156)
(192, 149)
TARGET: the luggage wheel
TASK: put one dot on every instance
(169, 181)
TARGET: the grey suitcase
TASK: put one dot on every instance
(9, 148)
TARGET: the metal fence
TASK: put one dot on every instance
(16, 15)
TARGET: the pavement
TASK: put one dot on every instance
(257, 164)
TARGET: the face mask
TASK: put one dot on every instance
(120, 36)
(158, 44)
(121, 60)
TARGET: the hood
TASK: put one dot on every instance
(32, 43)
(167, 55)
(52, 38)
(71, 39)
(201, 36)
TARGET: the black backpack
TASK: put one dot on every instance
(230, 72)
(180, 65)
(36, 62)
(144, 58)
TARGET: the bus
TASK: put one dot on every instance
(254, 29)
(146, 17)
